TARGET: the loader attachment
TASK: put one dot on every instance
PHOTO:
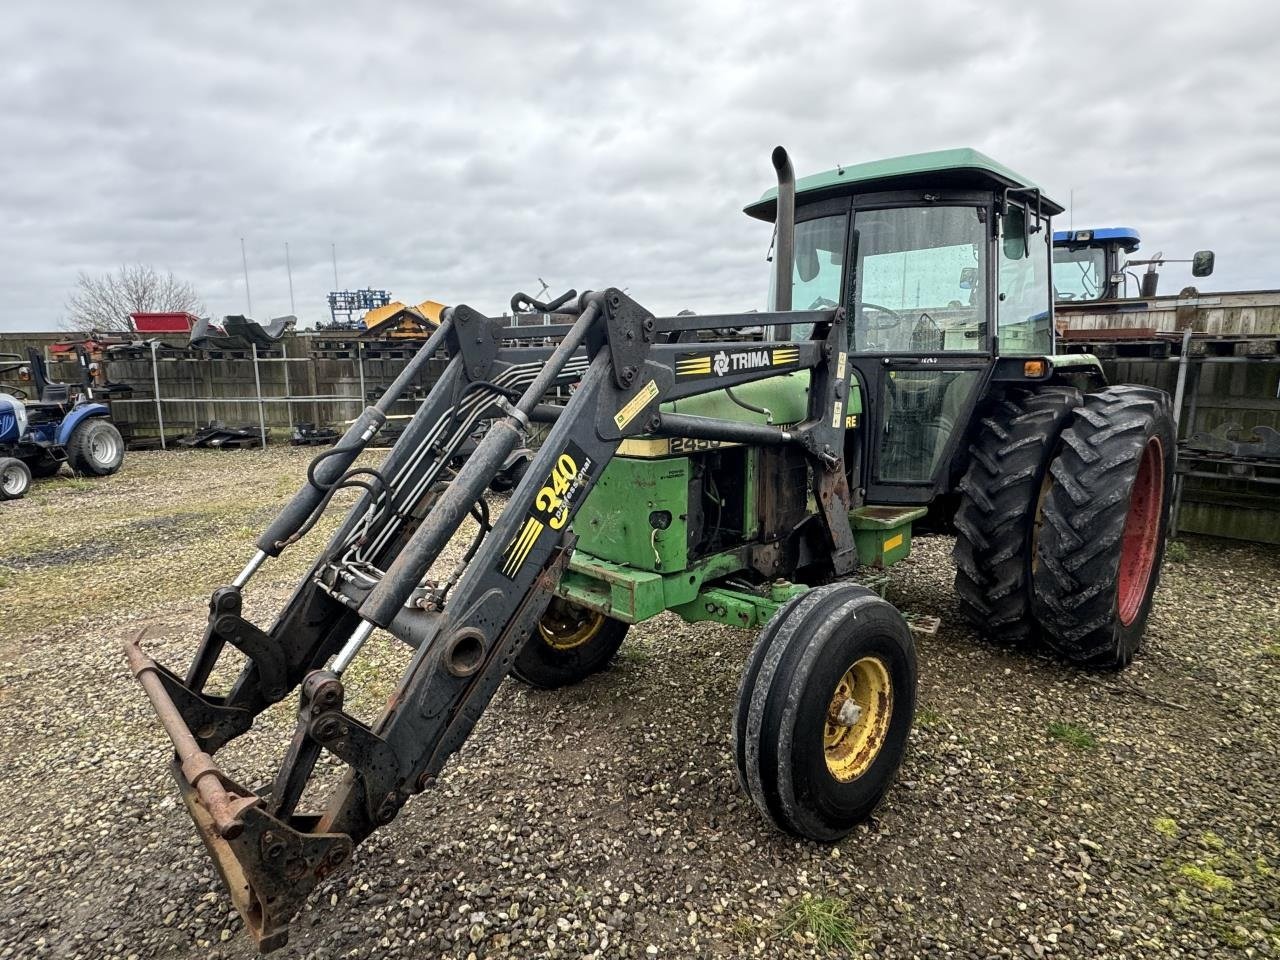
(465, 625)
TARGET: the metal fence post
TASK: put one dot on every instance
(360, 365)
(257, 383)
(155, 384)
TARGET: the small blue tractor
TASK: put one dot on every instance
(62, 424)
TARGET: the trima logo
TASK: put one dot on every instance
(726, 362)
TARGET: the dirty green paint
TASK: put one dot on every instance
(632, 595)
(881, 174)
(786, 397)
(614, 522)
(883, 534)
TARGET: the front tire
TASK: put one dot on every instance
(96, 448)
(1102, 542)
(569, 644)
(825, 710)
(15, 478)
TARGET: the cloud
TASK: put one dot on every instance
(461, 151)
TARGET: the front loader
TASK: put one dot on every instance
(764, 484)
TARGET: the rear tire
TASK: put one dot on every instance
(1000, 501)
(1102, 542)
(568, 645)
(15, 478)
(812, 769)
(96, 448)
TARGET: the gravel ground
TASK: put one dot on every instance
(1040, 811)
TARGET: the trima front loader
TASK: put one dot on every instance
(759, 484)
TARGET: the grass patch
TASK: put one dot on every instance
(1165, 826)
(1073, 735)
(928, 718)
(1271, 651)
(1176, 551)
(1206, 878)
(635, 653)
(826, 920)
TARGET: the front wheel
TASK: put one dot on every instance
(569, 644)
(825, 710)
(15, 478)
(95, 448)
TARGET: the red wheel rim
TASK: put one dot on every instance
(1141, 532)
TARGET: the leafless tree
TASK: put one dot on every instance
(104, 302)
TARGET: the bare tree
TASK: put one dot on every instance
(104, 302)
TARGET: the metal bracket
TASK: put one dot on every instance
(631, 329)
(476, 340)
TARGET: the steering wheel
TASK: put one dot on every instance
(894, 317)
(16, 392)
(823, 303)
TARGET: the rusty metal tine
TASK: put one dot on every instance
(197, 766)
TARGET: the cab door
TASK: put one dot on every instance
(921, 339)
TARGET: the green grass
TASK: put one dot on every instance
(1176, 551)
(1271, 651)
(827, 920)
(1165, 826)
(928, 718)
(1073, 735)
(1207, 878)
(634, 652)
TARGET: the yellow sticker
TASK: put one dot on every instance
(851, 421)
(893, 543)
(632, 408)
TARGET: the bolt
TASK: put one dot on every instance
(327, 728)
(273, 847)
(387, 812)
(425, 781)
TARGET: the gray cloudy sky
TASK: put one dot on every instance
(460, 150)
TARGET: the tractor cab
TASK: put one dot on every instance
(1090, 264)
(942, 261)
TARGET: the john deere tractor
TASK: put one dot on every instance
(767, 484)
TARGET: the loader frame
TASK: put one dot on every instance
(466, 628)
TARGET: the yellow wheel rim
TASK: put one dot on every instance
(566, 625)
(857, 719)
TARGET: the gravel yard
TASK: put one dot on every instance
(1041, 812)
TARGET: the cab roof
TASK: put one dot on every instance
(1125, 237)
(960, 168)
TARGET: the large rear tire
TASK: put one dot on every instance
(1102, 542)
(568, 645)
(825, 710)
(95, 448)
(15, 478)
(1000, 496)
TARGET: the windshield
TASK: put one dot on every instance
(920, 276)
(1078, 274)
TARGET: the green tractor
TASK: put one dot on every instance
(767, 484)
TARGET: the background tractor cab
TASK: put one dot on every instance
(1094, 265)
(942, 261)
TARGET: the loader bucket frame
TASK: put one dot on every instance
(465, 628)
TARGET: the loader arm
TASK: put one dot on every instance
(465, 629)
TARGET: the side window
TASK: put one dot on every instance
(819, 266)
(1024, 319)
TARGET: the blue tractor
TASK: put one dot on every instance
(1096, 265)
(60, 424)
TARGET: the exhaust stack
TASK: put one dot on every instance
(784, 253)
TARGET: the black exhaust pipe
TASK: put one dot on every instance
(785, 250)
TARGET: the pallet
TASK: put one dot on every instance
(1116, 349)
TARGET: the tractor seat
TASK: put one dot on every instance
(55, 394)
